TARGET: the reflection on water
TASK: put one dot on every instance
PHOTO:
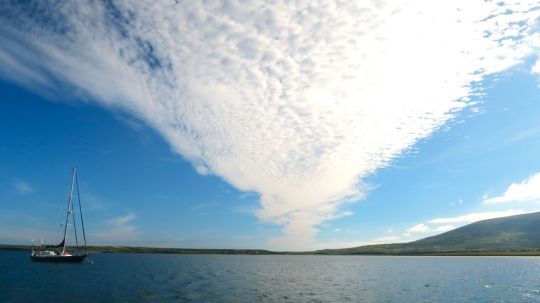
(235, 278)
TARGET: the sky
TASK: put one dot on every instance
(285, 125)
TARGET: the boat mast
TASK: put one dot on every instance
(80, 210)
(74, 225)
(68, 208)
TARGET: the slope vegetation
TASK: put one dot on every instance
(509, 235)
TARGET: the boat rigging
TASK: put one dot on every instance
(60, 252)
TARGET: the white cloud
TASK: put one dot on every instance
(122, 220)
(116, 230)
(473, 217)
(23, 187)
(536, 67)
(444, 228)
(418, 228)
(294, 100)
(460, 201)
(528, 190)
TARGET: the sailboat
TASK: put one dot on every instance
(59, 252)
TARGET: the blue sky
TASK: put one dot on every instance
(252, 142)
(125, 170)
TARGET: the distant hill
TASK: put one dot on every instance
(509, 235)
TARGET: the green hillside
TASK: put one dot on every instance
(509, 235)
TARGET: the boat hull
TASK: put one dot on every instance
(58, 259)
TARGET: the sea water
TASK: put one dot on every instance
(269, 278)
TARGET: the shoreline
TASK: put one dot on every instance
(196, 251)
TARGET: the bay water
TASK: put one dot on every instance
(270, 278)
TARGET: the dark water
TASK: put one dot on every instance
(221, 278)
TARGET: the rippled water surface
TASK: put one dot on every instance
(236, 278)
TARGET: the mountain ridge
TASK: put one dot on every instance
(518, 233)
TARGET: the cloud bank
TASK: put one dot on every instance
(528, 190)
(295, 100)
(474, 217)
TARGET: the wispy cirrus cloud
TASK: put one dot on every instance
(297, 101)
(116, 230)
(23, 187)
(122, 220)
